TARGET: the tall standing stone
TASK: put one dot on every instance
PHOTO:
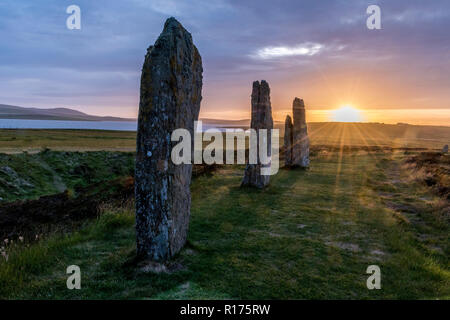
(288, 138)
(171, 86)
(261, 119)
(300, 148)
(445, 149)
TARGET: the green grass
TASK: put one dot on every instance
(320, 133)
(50, 172)
(34, 140)
(309, 235)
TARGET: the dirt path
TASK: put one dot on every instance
(415, 205)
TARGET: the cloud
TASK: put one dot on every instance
(44, 64)
(415, 16)
(305, 49)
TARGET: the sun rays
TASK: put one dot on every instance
(346, 114)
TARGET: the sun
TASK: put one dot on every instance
(346, 114)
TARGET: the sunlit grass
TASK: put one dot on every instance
(311, 234)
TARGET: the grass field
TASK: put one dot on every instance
(309, 235)
(330, 134)
(31, 140)
(30, 175)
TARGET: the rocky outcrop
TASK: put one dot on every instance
(171, 85)
(261, 119)
(288, 132)
(300, 148)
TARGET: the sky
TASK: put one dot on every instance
(318, 50)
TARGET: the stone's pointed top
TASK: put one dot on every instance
(298, 103)
(173, 38)
(172, 22)
(173, 26)
(288, 119)
(261, 87)
(263, 83)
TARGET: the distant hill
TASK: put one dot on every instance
(14, 112)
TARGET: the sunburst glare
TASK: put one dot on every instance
(346, 114)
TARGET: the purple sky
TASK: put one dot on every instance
(319, 50)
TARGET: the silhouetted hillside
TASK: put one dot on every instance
(14, 112)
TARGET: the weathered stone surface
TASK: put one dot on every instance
(445, 149)
(261, 119)
(300, 148)
(288, 137)
(171, 85)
